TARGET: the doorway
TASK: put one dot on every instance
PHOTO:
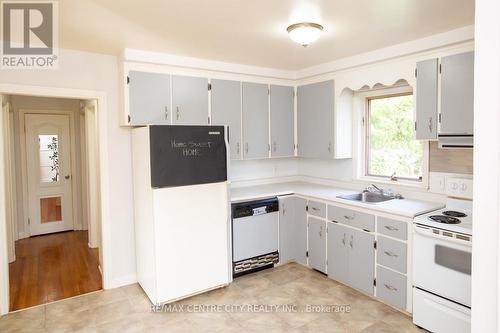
(54, 150)
(48, 158)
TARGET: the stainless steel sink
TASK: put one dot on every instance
(369, 197)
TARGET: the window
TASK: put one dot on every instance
(391, 149)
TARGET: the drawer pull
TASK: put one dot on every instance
(343, 240)
(391, 288)
(391, 228)
(391, 254)
(347, 217)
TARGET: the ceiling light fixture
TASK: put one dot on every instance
(304, 33)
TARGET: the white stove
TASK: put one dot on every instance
(455, 217)
(442, 267)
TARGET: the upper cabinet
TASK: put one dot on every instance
(189, 100)
(457, 94)
(226, 110)
(149, 98)
(315, 109)
(454, 115)
(427, 99)
(282, 121)
(255, 102)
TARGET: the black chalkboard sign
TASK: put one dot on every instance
(187, 155)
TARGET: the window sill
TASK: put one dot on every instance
(399, 183)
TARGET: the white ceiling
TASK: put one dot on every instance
(253, 32)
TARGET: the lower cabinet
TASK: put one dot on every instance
(293, 229)
(317, 244)
(391, 287)
(351, 256)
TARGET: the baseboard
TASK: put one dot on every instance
(23, 235)
(123, 281)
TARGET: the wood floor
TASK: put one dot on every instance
(53, 267)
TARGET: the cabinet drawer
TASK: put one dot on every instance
(317, 209)
(391, 253)
(351, 217)
(393, 228)
(391, 287)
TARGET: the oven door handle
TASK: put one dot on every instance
(428, 233)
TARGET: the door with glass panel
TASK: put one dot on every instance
(48, 158)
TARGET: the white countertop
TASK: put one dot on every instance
(403, 207)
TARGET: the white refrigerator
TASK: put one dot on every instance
(181, 210)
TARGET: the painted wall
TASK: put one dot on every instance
(485, 247)
(89, 71)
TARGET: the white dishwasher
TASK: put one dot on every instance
(255, 235)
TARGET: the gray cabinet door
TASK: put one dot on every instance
(317, 244)
(427, 99)
(149, 98)
(338, 253)
(457, 94)
(255, 104)
(293, 229)
(361, 260)
(226, 110)
(189, 100)
(315, 107)
(282, 121)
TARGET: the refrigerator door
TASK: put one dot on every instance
(192, 225)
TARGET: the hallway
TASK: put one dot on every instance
(53, 267)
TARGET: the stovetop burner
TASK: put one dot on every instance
(454, 213)
(444, 219)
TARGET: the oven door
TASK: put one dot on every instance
(442, 265)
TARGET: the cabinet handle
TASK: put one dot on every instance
(390, 287)
(321, 232)
(430, 124)
(391, 254)
(343, 240)
(274, 146)
(166, 112)
(315, 209)
(391, 228)
(329, 146)
(347, 217)
(237, 147)
(177, 113)
(283, 209)
(351, 242)
(246, 147)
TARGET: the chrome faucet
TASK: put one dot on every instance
(381, 191)
(390, 193)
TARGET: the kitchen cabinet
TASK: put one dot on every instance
(149, 98)
(351, 256)
(362, 260)
(293, 229)
(189, 100)
(226, 110)
(315, 109)
(255, 102)
(338, 252)
(317, 244)
(282, 121)
(457, 94)
(426, 100)
(445, 106)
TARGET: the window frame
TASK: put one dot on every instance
(362, 157)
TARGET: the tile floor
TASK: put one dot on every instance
(127, 309)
